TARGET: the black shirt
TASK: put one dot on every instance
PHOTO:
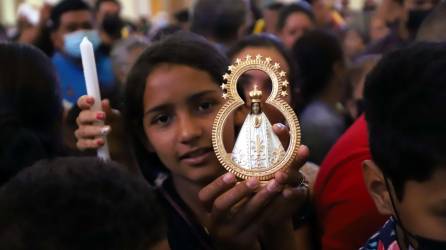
(183, 230)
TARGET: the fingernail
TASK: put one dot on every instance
(100, 116)
(90, 100)
(105, 130)
(252, 183)
(228, 178)
(281, 125)
(273, 186)
(100, 142)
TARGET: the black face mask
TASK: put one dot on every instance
(429, 244)
(422, 242)
(415, 19)
(113, 25)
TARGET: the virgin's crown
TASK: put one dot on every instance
(255, 95)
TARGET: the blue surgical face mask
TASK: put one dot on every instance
(73, 40)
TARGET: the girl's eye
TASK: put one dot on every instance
(161, 119)
(204, 106)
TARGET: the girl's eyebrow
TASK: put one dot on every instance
(191, 98)
(156, 109)
(198, 95)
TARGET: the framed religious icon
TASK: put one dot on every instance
(257, 151)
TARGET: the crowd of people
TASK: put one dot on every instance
(368, 87)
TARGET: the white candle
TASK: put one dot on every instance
(91, 81)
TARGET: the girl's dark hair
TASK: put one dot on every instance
(30, 108)
(182, 48)
(270, 41)
(316, 53)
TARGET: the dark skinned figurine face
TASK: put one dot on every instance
(255, 109)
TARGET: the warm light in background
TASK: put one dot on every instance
(132, 9)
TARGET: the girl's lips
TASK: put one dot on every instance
(197, 157)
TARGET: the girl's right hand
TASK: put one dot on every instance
(91, 128)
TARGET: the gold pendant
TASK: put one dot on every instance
(264, 160)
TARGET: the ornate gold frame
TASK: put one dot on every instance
(233, 101)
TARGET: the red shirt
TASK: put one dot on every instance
(347, 215)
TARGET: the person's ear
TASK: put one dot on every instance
(376, 185)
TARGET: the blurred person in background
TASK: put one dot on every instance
(346, 213)
(270, 16)
(433, 28)
(403, 18)
(30, 109)
(43, 40)
(321, 70)
(378, 29)
(293, 21)
(326, 16)
(71, 21)
(165, 31)
(108, 23)
(353, 44)
(27, 24)
(223, 23)
(182, 19)
(125, 53)
(80, 204)
(356, 76)
(103, 8)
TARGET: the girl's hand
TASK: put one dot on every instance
(90, 131)
(294, 194)
(235, 211)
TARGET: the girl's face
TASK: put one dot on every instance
(180, 104)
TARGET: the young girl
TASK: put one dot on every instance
(172, 97)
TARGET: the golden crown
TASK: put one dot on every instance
(255, 95)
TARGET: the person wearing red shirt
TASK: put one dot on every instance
(346, 214)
